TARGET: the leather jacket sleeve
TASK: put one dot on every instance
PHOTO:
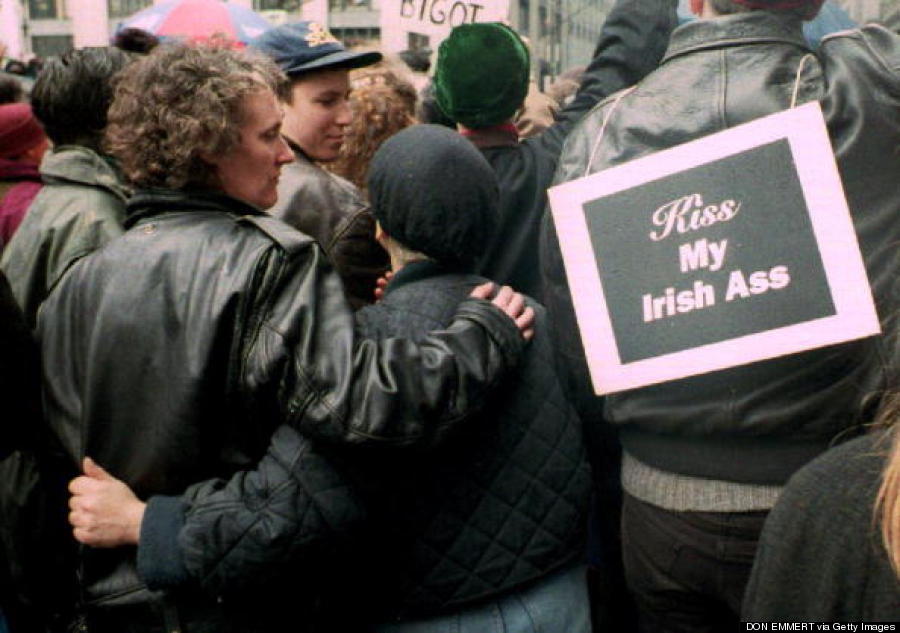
(358, 258)
(632, 43)
(338, 388)
(329, 386)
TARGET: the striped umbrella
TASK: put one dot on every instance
(198, 20)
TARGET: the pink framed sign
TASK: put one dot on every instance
(727, 250)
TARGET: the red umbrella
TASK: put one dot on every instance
(197, 20)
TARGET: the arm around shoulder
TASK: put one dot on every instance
(336, 387)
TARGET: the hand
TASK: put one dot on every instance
(381, 283)
(512, 303)
(103, 510)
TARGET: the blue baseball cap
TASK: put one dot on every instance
(304, 46)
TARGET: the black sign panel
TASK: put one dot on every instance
(706, 241)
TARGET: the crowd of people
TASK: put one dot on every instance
(287, 342)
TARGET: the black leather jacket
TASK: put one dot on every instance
(760, 422)
(332, 211)
(173, 353)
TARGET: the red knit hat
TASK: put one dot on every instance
(19, 130)
(811, 6)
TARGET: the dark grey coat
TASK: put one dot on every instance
(820, 557)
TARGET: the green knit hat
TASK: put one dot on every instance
(482, 74)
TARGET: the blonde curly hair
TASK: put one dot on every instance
(181, 102)
(382, 104)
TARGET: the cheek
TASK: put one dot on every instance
(321, 123)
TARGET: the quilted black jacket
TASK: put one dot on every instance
(172, 354)
(502, 503)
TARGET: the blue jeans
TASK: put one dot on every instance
(557, 604)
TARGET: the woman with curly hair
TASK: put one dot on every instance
(382, 105)
(172, 355)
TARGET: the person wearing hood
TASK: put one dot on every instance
(494, 524)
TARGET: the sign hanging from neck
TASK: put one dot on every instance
(727, 250)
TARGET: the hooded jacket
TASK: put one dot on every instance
(502, 503)
(757, 423)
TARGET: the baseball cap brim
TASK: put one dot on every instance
(338, 59)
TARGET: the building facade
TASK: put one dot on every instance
(561, 33)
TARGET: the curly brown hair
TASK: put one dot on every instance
(181, 102)
(380, 110)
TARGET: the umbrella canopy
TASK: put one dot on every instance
(197, 20)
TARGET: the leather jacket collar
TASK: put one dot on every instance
(68, 164)
(147, 203)
(756, 27)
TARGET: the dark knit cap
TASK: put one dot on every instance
(810, 7)
(19, 130)
(434, 192)
(482, 74)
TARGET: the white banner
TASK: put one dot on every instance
(433, 19)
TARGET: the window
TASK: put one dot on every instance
(524, 16)
(357, 36)
(45, 46)
(276, 5)
(124, 8)
(43, 10)
(350, 5)
(417, 41)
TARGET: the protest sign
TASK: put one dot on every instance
(727, 250)
(434, 19)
